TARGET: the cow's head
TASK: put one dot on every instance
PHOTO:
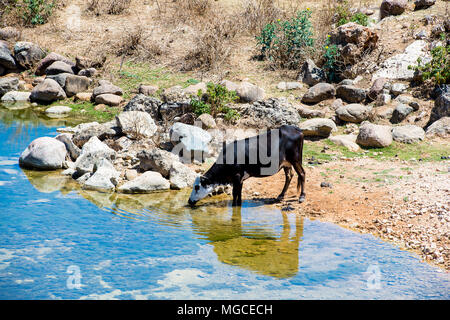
(202, 187)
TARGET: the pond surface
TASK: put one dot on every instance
(60, 242)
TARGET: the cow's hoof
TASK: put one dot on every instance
(301, 199)
(278, 199)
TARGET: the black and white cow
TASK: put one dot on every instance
(259, 156)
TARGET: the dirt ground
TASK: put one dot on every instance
(405, 203)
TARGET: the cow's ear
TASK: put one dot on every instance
(204, 181)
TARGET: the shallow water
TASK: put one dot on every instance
(155, 247)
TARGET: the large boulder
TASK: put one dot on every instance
(392, 7)
(58, 111)
(440, 128)
(157, 160)
(353, 112)
(75, 84)
(60, 78)
(16, 96)
(106, 87)
(6, 57)
(354, 40)
(408, 134)
(397, 66)
(308, 113)
(58, 67)
(148, 182)
(319, 92)
(249, 92)
(71, 148)
(311, 74)
(441, 108)
(270, 113)
(141, 102)
(318, 127)
(92, 151)
(181, 176)
(47, 91)
(28, 54)
(189, 141)
(44, 153)
(351, 94)
(104, 178)
(136, 124)
(348, 141)
(373, 135)
(83, 133)
(50, 59)
(8, 84)
(400, 113)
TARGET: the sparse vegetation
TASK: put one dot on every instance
(438, 69)
(35, 12)
(286, 43)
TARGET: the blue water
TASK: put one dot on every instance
(60, 242)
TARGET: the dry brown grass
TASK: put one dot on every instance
(99, 7)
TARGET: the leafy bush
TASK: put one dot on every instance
(286, 43)
(35, 12)
(215, 101)
(438, 69)
(331, 64)
(343, 15)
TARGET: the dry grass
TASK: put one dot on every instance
(99, 7)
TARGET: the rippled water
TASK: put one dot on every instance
(154, 247)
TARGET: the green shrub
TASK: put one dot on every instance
(286, 43)
(438, 69)
(35, 12)
(344, 16)
(215, 101)
(331, 65)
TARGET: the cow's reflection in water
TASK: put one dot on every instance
(256, 249)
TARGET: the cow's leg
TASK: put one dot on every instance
(301, 180)
(288, 175)
(237, 191)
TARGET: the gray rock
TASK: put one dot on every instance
(58, 111)
(441, 108)
(8, 84)
(6, 57)
(169, 111)
(207, 121)
(92, 151)
(90, 72)
(148, 182)
(377, 88)
(181, 176)
(75, 84)
(193, 89)
(47, 91)
(318, 127)
(28, 54)
(157, 160)
(148, 90)
(83, 133)
(373, 135)
(107, 87)
(398, 88)
(136, 124)
(44, 153)
(308, 113)
(284, 86)
(50, 59)
(104, 178)
(189, 141)
(400, 113)
(440, 128)
(383, 99)
(249, 92)
(348, 141)
(141, 102)
(58, 67)
(353, 112)
(16, 96)
(59, 78)
(351, 94)
(397, 66)
(408, 134)
(229, 85)
(311, 74)
(71, 148)
(319, 92)
(108, 99)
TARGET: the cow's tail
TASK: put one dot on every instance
(300, 159)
